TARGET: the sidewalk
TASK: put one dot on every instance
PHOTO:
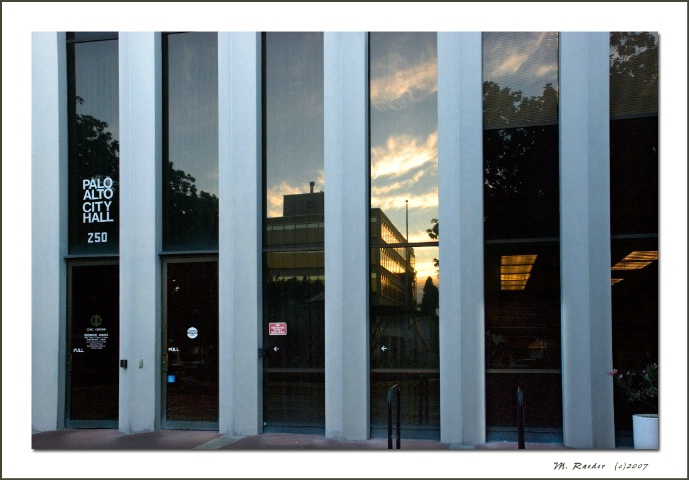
(110, 439)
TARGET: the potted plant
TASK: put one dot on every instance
(641, 388)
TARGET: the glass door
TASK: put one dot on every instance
(190, 344)
(93, 343)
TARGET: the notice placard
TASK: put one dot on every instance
(278, 328)
(96, 338)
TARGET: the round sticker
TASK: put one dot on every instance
(192, 332)
(96, 320)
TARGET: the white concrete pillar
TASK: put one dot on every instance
(240, 250)
(460, 213)
(346, 235)
(587, 390)
(140, 92)
(48, 228)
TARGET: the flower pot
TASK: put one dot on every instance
(645, 427)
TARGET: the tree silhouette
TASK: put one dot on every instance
(96, 153)
(633, 73)
(191, 218)
(430, 299)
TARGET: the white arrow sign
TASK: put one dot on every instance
(276, 348)
(383, 348)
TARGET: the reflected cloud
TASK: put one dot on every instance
(403, 154)
(402, 87)
(401, 185)
(523, 61)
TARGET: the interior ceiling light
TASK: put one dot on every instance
(613, 281)
(515, 271)
(636, 260)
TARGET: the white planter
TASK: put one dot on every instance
(645, 430)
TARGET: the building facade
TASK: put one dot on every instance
(240, 231)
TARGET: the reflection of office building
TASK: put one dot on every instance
(393, 279)
(526, 266)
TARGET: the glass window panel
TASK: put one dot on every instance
(521, 201)
(294, 362)
(520, 79)
(634, 320)
(520, 138)
(634, 132)
(93, 148)
(522, 342)
(633, 211)
(404, 281)
(190, 143)
(633, 73)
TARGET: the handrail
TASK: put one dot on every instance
(520, 418)
(396, 389)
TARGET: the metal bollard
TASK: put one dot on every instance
(520, 418)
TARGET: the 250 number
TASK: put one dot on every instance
(98, 237)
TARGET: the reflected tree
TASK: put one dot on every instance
(633, 72)
(430, 300)
(96, 152)
(520, 162)
(191, 216)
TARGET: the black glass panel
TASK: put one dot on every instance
(634, 209)
(635, 314)
(522, 291)
(634, 176)
(94, 346)
(521, 183)
(93, 147)
(522, 340)
(542, 396)
(190, 374)
(190, 143)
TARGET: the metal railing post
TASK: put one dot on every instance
(520, 418)
(396, 389)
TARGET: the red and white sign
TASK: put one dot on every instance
(279, 328)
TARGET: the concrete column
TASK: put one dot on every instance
(346, 235)
(48, 228)
(240, 251)
(587, 390)
(140, 90)
(460, 186)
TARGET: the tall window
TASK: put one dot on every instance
(404, 277)
(293, 222)
(633, 209)
(189, 340)
(92, 327)
(190, 142)
(521, 231)
(94, 152)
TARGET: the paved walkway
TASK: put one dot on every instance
(110, 439)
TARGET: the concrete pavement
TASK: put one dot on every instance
(110, 439)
